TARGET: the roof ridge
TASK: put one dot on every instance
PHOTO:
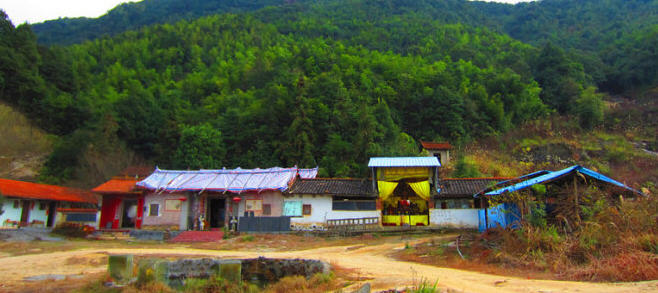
(480, 178)
(331, 178)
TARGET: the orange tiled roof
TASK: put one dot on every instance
(436, 145)
(117, 185)
(21, 189)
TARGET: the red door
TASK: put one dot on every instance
(140, 212)
(108, 212)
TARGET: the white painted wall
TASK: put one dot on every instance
(458, 218)
(37, 214)
(10, 212)
(321, 211)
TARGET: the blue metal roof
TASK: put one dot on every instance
(551, 176)
(404, 162)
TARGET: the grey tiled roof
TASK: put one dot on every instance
(465, 187)
(332, 186)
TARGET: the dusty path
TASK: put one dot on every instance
(370, 261)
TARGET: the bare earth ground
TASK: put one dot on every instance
(368, 261)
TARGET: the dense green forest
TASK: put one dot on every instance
(611, 38)
(311, 83)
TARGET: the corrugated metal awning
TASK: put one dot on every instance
(387, 162)
(552, 176)
(235, 180)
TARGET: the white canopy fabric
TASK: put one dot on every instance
(235, 180)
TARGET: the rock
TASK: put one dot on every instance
(120, 267)
(365, 288)
(231, 270)
(153, 270)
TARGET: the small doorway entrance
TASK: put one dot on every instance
(129, 214)
(52, 212)
(217, 212)
(25, 214)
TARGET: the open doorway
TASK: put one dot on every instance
(25, 214)
(129, 214)
(52, 213)
(217, 212)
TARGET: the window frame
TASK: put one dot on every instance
(307, 209)
(180, 208)
(287, 202)
(267, 209)
(151, 210)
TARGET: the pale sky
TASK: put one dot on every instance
(34, 11)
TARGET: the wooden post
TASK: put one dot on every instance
(483, 204)
(575, 195)
(374, 180)
(226, 213)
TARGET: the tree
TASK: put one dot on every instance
(589, 108)
(560, 79)
(466, 168)
(200, 147)
(297, 148)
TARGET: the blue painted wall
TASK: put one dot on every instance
(503, 215)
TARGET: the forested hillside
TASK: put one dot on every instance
(135, 15)
(310, 83)
(613, 39)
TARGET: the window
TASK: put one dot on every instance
(306, 210)
(354, 205)
(267, 209)
(253, 205)
(154, 209)
(173, 205)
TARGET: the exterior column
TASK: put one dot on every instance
(227, 212)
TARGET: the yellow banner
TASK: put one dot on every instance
(386, 189)
(422, 189)
(395, 174)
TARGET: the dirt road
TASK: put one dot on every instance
(370, 261)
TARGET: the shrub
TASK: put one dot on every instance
(466, 168)
(317, 283)
(218, 284)
(537, 216)
(425, 287)
(73, 230)
(614, 241)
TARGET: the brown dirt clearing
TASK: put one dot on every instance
(369, 261)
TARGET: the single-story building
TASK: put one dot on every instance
(440, 150)
(42, 205)
(405, 186)
(203, 199)
(565, 185)
(123, 204)
(312, 203)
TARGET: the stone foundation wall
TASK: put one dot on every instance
(174, 273)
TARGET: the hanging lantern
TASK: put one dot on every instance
(237, 199)
(183, 199)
